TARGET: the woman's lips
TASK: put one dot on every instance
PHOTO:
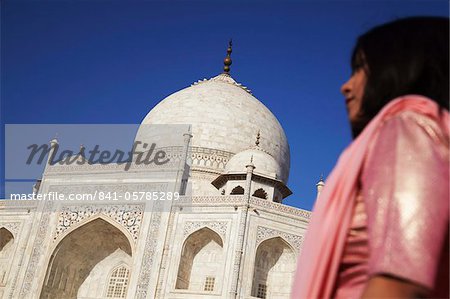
(348, 100)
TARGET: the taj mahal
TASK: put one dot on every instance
(229, 235)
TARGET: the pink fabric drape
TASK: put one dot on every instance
(322, 250)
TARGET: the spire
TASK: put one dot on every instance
(227, 61)
(250, 166)
(320, 185)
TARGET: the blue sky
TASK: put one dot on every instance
(100, 62)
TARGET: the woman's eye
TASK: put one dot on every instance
(357, 68)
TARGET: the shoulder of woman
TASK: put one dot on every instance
(411, 124)
(409, 134)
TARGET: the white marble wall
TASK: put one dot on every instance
(156, 242)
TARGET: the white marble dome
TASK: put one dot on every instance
(224, 116)
(264, 163)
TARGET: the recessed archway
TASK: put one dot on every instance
(94, 245)
(274, 269)
(201, 262)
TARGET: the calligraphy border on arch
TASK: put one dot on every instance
(149, 250)
(37, 251)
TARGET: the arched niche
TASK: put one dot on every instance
(78, 254)
(202, 261)
(6, 252)
(118, 282)
(260, 193)
(6, 240)
(274, 269)
(237, 190)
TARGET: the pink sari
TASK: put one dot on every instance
(322, 251)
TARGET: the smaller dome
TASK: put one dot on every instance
(264, 163)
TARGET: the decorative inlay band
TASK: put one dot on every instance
(209, 158)
(279, 207)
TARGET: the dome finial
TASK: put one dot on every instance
(227, 61)
(257, 138)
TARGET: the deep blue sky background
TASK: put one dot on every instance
(112, 61)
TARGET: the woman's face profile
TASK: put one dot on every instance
(353, 91)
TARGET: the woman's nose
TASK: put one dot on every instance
(346, 87)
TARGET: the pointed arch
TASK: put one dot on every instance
(260, 193)
(286, 242)
(201, 262)
(78, 253)
(274, 269)
(204, 227)
(6, 252)
(237, 190)
(6, 239)
(103, 217)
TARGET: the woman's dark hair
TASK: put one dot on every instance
(406, 56)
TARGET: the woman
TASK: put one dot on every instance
(380, 226)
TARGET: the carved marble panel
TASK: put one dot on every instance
(220, 227)
(129, 216)
(13, 227)
(264, 233)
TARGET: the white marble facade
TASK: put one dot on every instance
(239, 168)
